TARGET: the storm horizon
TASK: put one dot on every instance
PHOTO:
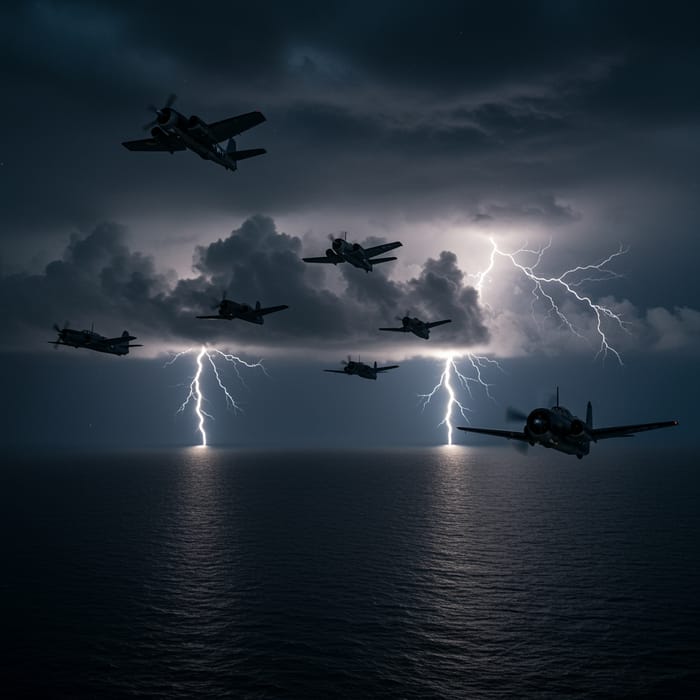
(487, 141)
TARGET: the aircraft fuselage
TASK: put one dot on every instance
(558, 429)
(416, 326)
(231, 310)
(353, 253)
(92, 341)
(194, 135)
(361, 369)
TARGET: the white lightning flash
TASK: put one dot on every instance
(567, 283)
(478, 363)
(196, 395)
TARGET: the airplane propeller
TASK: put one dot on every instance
(514, 414)
(168, 104)
(217, 304)
(60, 331)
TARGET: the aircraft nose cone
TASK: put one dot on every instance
(538, 422)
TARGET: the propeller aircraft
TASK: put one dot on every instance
(416, 326)
(229, 310)
(342, 251)
(172, 131)
(93, 341)
(557, 428)
(361, 369)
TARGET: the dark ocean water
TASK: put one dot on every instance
(417, 573)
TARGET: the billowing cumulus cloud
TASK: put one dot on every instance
(99, 279)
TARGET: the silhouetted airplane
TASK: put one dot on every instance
(416, 326)
(559, 429)
(361, 369)
(94, 341)
(172, 131)
(228, 310)
(354, 253)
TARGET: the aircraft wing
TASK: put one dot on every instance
(325, 259)
(629, 430)
(438, 323)
(154, 145)
(396, 330)
(222, 318)
(271, 309)
(508, 434)
(384, 369)
(378, 249)
(120, 339)
(233, 126)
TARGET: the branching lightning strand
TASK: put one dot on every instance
(478, 362)
(570, 282)
(195, 388)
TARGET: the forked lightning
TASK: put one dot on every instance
(196, 394)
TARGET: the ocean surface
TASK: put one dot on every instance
(411, 573)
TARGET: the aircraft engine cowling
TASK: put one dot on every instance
(356, 246)
(195, 121)
(167, 117)
(538, 422)
(578, 427)
(330, 253)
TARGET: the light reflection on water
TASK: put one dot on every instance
(451, 572)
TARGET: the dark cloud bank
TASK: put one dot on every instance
(100, 279)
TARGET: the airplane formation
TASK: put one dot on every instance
(170, 131)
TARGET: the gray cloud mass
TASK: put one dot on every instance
(102, 280)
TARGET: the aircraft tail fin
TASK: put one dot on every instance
(557, 397)
(257, 306)
(242, 155)
(589, 416)
(125, 334)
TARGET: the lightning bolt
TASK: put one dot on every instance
(568, 283)
(196, 395)
(450, 371)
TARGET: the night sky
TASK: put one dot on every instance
(450, 126)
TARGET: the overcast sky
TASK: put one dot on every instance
(456, 128)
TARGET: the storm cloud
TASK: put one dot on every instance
(105, 282)
(442, 126)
